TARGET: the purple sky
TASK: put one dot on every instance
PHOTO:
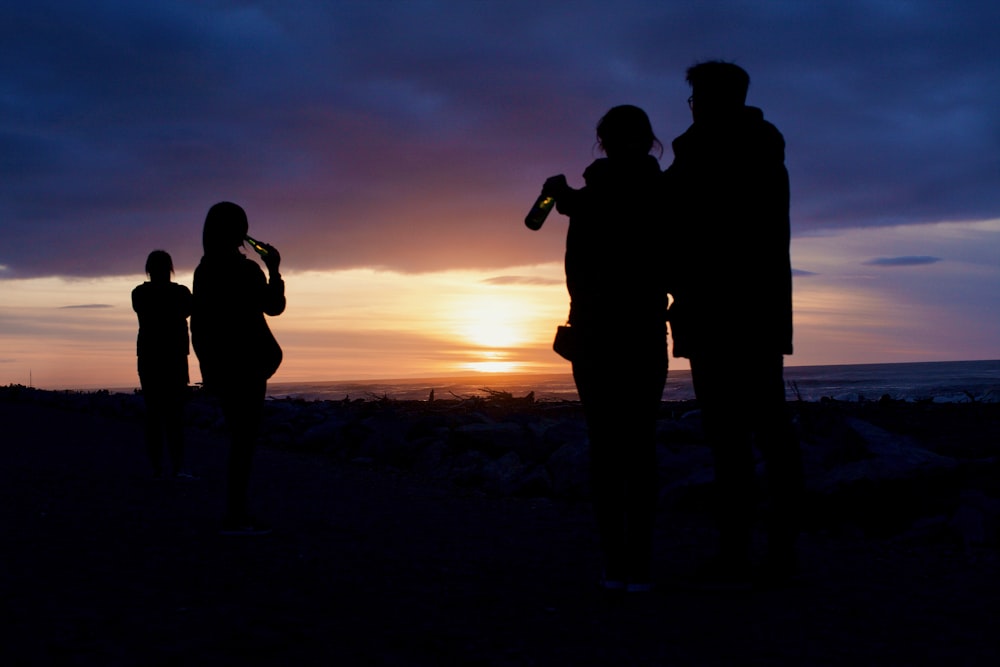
(413, 135)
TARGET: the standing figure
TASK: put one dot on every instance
(162, 348)
(732, 310)
(618, 303)
(236, 350)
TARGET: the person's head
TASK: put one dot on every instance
(225, 228)
(159, 266)
(626, 130)
(718, 89)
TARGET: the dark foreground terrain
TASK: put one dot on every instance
(458, 533)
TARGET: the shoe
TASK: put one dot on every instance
(186, 477)
(639, 587)
(244, 528)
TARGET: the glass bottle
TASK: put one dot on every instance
(536, 216)
(256, 245)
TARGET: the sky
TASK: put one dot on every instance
(390, 150)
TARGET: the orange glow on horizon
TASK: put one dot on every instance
(370, 324)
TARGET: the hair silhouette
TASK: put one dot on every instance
(726, 82)
(225, 228)
(626, 129)
(159, 264)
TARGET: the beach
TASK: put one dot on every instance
(458, 532)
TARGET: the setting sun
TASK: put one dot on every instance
(492, 321)
(496, 362)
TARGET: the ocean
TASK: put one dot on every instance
(945, 381)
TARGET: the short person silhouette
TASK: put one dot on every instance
(236, 351)
(162, 348)
(618, 301)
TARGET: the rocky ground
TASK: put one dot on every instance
(457, 532)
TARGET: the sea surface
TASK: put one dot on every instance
(945, 381)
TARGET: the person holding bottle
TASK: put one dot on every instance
(618, 301)
(236, 351)
(162, 348)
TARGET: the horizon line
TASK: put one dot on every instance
(484, 375)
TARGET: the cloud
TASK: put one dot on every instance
(522, 280)
(87, 305)
(802, 273)
(414, 136)
(911, 260)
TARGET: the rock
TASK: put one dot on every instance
(679, 462)
(543, 444)
(427, 425)
(430, 460)
(491, 439)
(535, 483)
(503, 476)
(884, 456)
(569, 469)
(467, 468)
(958, 397)
(682, 430)
(568, 431)
(977, 519)
(828, 442)
(384, 441)
(322, 435)
(992, 396)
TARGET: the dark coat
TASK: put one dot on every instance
(614, 246)
(728, 194)
(162, 344)
(228, 329)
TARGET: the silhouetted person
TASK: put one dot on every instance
(614, 250)
(236, 350)
(732, 310)
(162, 349)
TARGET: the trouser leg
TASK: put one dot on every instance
(153, 430)
(776, 439)
(242, 407)
(640, 503)
(727, 429)
(735, 418)
(174, 430)
(607, 481)
(621, 402)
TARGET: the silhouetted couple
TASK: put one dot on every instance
(713, 232)
(236, 350)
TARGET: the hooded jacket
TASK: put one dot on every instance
(614, 246)
(728, 194)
